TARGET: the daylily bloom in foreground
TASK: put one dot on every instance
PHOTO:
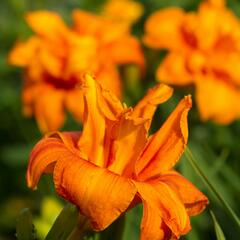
(113, 164)
(57, 56)
(204, 49)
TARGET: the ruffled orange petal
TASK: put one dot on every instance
(163, 212)
(167, 144)
(194, 200)
(100, 194)
(47, 24)
(23, 52)
(46, 153)
(162, 29)
(129, 138)
(110, 105)
(173, 70)
(49, 110)
(126, 49)
(148, 105)
(77, 180)
(92, 139)
(217, 100)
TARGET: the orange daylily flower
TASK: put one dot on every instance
(125, 11)
(57, 56)
(113, 164)
(204, 49)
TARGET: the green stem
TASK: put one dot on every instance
(115, 231)
(81, 229)
(195, 166)
(119, 228)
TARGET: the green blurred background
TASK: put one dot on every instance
(217, 148)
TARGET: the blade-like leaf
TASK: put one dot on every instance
(210, 186)
(25, 228)
(218, 230)
(64, 223)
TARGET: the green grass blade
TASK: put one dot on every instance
(205, 179)
(218, 229)
(25, 228)
(64, 224)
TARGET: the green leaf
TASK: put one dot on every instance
(218, 230)
(210, 186)
(25, 228)
(64, 223)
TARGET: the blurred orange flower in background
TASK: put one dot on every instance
(113, 164)
(125, 11)
(56, 57)
(204, 49)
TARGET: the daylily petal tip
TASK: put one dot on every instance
(188, 100)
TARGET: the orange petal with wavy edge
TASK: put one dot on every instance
(130, 136)
(162, 29)
(173, 70)
(167, 144)
(217, 100)
(47, 24)
(163, 212)
(100, 194)
(46, 153)
(125, 50)
(93, 123)
(226, 66)
(194, 200)
(110, 105)
(148, 105)
(23, 52)
(49, 110)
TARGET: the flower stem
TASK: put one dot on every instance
(81, 229)
(115, 231)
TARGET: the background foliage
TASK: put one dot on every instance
(217, 148)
